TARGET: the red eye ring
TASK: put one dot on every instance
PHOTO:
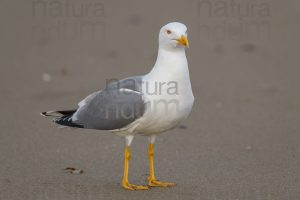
(169, 32)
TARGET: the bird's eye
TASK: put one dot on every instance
(169, 32)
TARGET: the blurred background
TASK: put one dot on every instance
(240, 142)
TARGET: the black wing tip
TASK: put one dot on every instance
(67, 121)
(44, 114)
(62, 117)
(59, 113)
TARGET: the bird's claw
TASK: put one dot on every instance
(129, 186)
(156, 183)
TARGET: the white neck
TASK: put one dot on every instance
(171, 64)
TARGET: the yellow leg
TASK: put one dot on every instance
(151, 179)
(125, 183)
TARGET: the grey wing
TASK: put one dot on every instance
(133, 83)
(111, 108)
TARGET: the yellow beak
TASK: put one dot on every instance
(183, 41)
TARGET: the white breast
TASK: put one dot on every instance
(168, 93)
(165, 110)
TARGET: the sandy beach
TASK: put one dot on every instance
(241, 140)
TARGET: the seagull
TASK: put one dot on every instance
(141, 105)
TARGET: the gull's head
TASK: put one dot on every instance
(173, 35)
